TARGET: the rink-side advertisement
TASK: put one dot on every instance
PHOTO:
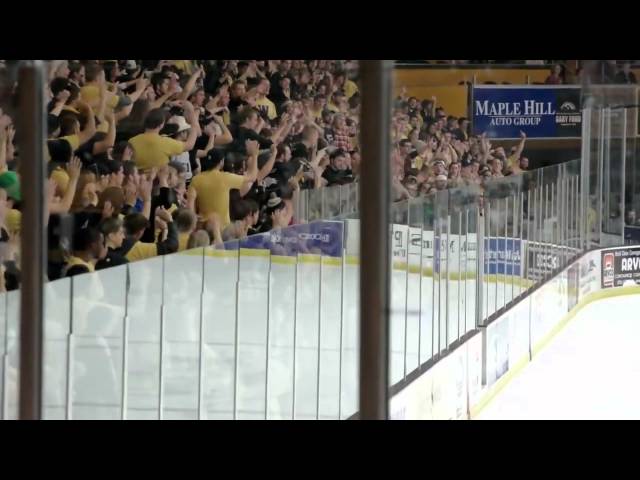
(620, 266)
(503, 111)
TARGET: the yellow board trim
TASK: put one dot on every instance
(332, 261)
(283, 259)
(309, 258)
(254, 252)
(210, 252)
(507, 377)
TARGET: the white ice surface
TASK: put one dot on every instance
(590, 370)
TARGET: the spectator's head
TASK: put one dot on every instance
(557, 70)
(113, 195)
(264, 87)
(630, 216)
(327, 117)
(92, 72)
(452, 122)
(111, 71)
(88, 242)
(176, 174)
(410, 182)
(113, 231)
(276, 211)
(439, 168)
(60, 68)
(59, 84)
(198, 239)
(248, 118)
(69, 125)
(440, 182)
(413, 102)
(339, 159)
(213, 161)
(319, 102)
(179, 128)
(432, 128)
(310, 135)
(339, 121)
(254, 212)
(283, 153)
(197, 97)
(160, 83)
(86, 192)
(135, 224)
(285, 83)
(463, 123)
(238, 89)
(77, 73)
(524, 163)
(155, 120)
(405, 147)
(496, 165)
(186, 220)
(122, 151)
(130, 171)
(338, 98)
(500, 153)
(454, 170)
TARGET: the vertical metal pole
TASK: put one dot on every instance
(162, 347)
(374, 239)
(506, 240)
(606, 164)
(342, 274)
(623, 174)
(236, 341)
(124, 386)
(420, 290)
(583, 193)
(480, 265)
(459, 269)
(446, 285)
(600, 179)
(406, 291)
(31, 138)
(295, 326)
(201, 359)
(70, 345)
(268, 350)
(319, 342)
(4, 399)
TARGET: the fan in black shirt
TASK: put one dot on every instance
(338, 171)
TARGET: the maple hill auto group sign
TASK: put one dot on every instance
(503, 111)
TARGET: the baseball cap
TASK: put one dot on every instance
(11, 183)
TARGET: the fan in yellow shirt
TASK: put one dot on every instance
(211, 188)
(262, 102)
(150, 149)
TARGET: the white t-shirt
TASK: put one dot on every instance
(183, 158)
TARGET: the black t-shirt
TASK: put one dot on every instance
(243, 134)
(337, 177)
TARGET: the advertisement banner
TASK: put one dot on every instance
(542, 259)
(589, 274)
(504, 111)
(573, 285)
(323, 238)
(503, 256)
(497, 350)
(400, 243)
(620, 266)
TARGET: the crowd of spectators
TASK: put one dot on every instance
(433, 151)
(147, 158)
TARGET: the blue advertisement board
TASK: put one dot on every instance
(323, 238)
(540, 112)
(503, 256)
